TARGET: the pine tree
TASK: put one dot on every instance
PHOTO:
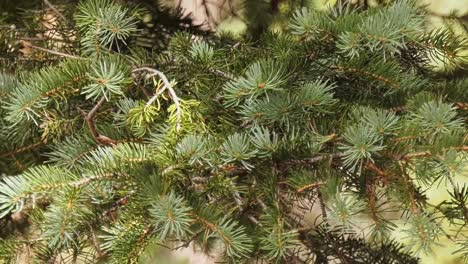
(306, 145)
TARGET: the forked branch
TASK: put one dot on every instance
(89, 117)
(167, 86)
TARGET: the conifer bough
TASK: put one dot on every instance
(305, 146)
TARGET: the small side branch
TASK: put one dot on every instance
(89, 117)
(93, 111)
(167, 86)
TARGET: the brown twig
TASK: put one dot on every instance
(461, 105)
(89, 117)
(61, 54)
(309, 187)
(380, 172)
(113, 209)
(421, 154)
(425, 154)
(97, 106)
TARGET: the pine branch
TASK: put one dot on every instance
(58, 53)
(23, 149)
(309, 187)
(379, 171)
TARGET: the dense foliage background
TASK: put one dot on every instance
(315, 132)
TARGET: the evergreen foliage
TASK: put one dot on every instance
(235, 146)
